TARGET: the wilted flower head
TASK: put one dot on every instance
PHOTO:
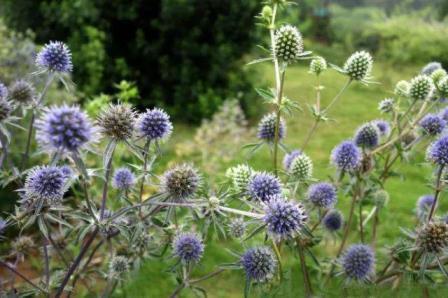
(322, 194)
(118, 266)
(438, 151)
(433, 237)
(386, 105)
(359, 65)
(346, 156)
(289, 157)
(358, 262)
(117, 122)
(421, 87)
(301, 167)
(266, 128)
(402, 88)
(154, 124)
(259, 263)
(383, 127)
(432, 124)
(45, 182)
(262, 186)
(3, 91)
(188, 247)
(123, 179)
(429, 68)
(237, 227)
(55, 56)
(64, 128)
(424, 204)
(240, 176)
(6, 109)
(367, 136)
(181, 182)
(318, 65)
(284, 219)
(332, 221)
(22, 92)
(288, 43)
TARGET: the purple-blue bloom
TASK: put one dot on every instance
(3, 91)
(263, 186)
(332, 221)
(45, 182)
(154, 124)
(438, 151)
(367, 136)
(383, 127)
(424, 204)
(429, 68)
(346, 156)
(55, 56)
(322, 194)
(259, 263)
(64, 128)
(123, 179)
(289, 157)
(432, 124)
(266, 128)
(444, 114)
(188, 247)
(358, 262)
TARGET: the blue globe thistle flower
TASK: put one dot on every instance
(64, 128)
(154, 124)
(266, 128)
(358, 262)
(3, 91)
(386, 105)
(55, 56)
(45, 182)
(123, 179)
(383, 127)
(429, 68)
(438, 151)
(188, 247)
(424, 204)
(259, 263)
(433, 237)
(367, 136)
(432, 124)
(289, 157)
(262, 186)
(322, 194)
(237, 227)
(181, 182)
(333, 220)
(346, 156)
(22, 92)
(67, 172)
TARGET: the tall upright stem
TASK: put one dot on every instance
(437, 192)
(306, 276)
(277, 121)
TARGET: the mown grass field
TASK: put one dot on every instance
(357, 105)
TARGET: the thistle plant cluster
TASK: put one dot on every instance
(80, 200)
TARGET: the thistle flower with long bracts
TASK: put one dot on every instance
(367, 136)
(123, 179)
(22, 92)
(154, 125)
(262, 186)
(358, 262)
(322, 195)
(181, 182)
(117, 122)
(346, 156)
(188, 247)
(433, 237)
(259, 263)
(432, 124)
(266, 128)
(55, 56)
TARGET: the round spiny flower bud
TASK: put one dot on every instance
(259, 263)
(288, 43)
(262, 186)
(433, 237)
(359, 65)
(22, 92)
(181, 182)
(322, 194)
(3, 91)
(367, 136)
(266, 128)
(154, 124)
(386, 105)
(118, 266)
(117, 122)
(443, 86)
(55, 56)
(188, 247)
(237, 228)
(45, 182)
(240, 176)
(432, 124)
(383, 127)
(123, 179)
(266, 12)
(289, 157)
(5, 109)
(380, 198)
(23, 244)
(421, 87)
(437, 75)
(284, 219)
(358, 262)
(429, 68)
(402, 88)
(302, 167)
(318, 65)
(333, 220)
(438, 151)
(346, 156)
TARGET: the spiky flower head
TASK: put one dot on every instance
(432, 124)
(442, 86)
(386, 105)
(284, 219)
(380, 198)
(123, 179)
(266, 128)
(383, 127)
(429, 68)
(3, 91)
(437, 75)
(288, 43)
(240, 176)
(358, 262)
(262, 186)
(433, 237)
(289, 157)
(64, 128)
(302, 167)
(22, 92)
(23, 244)
(322, 194)
(45, 182)
(424, 204)
(6, 109)
(259, 263)
(438, 151)
(188, 247)
(346, 156)
(421, 87)
(55, 56)
(118, 266)
(117, 121)
(181, 182)
(333, 220)
(367, 136)
(237, 227)
(402, 88)
(154, 124)
(359, 65)
(318, 65)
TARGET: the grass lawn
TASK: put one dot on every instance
(357, 105)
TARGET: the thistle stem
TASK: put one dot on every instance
(145, 168)
(306, 277)
(279, 259)
(7, 266)
(277, 121)
(437, 192)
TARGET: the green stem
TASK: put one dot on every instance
(306, 276)
(437, 192)
(277, 121)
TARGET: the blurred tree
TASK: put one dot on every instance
(183, 54)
